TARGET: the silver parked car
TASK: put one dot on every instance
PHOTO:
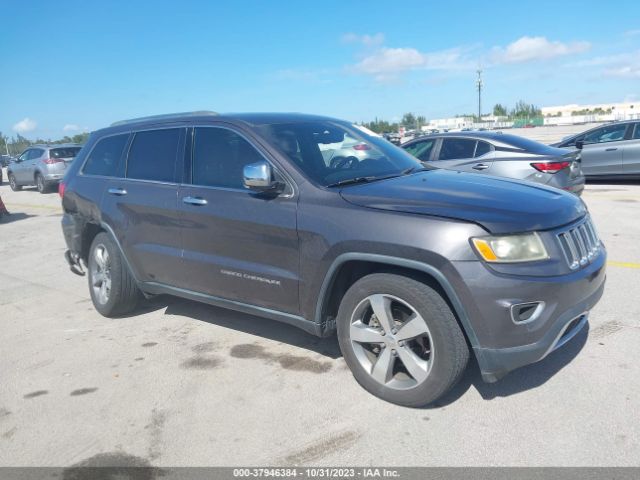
(501, 155)
(611, 150)
(41, 165)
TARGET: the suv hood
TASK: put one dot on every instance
(499, 205)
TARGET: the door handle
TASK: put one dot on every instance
(480, 166)
(117, 191)
(610, 149)
(194, 200)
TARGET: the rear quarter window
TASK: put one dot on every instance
(482, 148)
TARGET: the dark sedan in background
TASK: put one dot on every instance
(611, 150)
(502, 155)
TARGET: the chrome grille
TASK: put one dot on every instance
(580, 244)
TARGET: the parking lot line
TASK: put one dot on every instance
(623, 264)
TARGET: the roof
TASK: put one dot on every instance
(54, 145)
(490, 135)
(164, 117)
(250, 118)
(274, 117)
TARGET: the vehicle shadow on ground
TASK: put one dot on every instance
(615, 182)
(14, 217)
(242, 322)
(525, 378)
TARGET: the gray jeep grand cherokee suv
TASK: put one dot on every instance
(413, 267)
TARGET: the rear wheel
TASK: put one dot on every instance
(13, 184)
(41, 185)
(112, 287)
(400, 339)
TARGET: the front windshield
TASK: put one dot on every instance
(334, 152)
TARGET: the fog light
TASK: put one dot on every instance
(526, 312)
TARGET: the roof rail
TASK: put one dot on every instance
(167, 116)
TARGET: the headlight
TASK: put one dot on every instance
(511, 248)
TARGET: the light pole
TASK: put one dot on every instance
(479, 84)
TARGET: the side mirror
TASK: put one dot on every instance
(579, 144)
(259, 178)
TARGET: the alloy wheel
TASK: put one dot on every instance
(101, 274)
(391, 341)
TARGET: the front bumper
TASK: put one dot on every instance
(503, 344)
(496, 363)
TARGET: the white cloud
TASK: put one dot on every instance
(366, 40)
(527, 49)
(25, 125)
(621, 65)
(626, 71)
(390, 60)
(72, 127)
(387, 63)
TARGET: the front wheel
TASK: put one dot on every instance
(112, 287)
(400, 339)
(13, 184)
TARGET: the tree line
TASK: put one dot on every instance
(14, 146)
(522, 109)
(412, 121)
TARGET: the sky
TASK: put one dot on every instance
(72, 66)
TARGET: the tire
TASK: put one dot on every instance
(112, 287)
(13, 184)
(41, 185)
(431, 354)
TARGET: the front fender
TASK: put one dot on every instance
(429, 269)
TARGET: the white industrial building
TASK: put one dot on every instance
(622, 109)
(554, 115)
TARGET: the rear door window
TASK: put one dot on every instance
(103, 159)
(456, 148)
(153, 155)
(422, 150)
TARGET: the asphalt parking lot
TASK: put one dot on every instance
(182, 383)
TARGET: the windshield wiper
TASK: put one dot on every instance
(411, 170)
(373, 178)
(353, 181)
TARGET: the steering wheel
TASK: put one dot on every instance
(341, 162)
